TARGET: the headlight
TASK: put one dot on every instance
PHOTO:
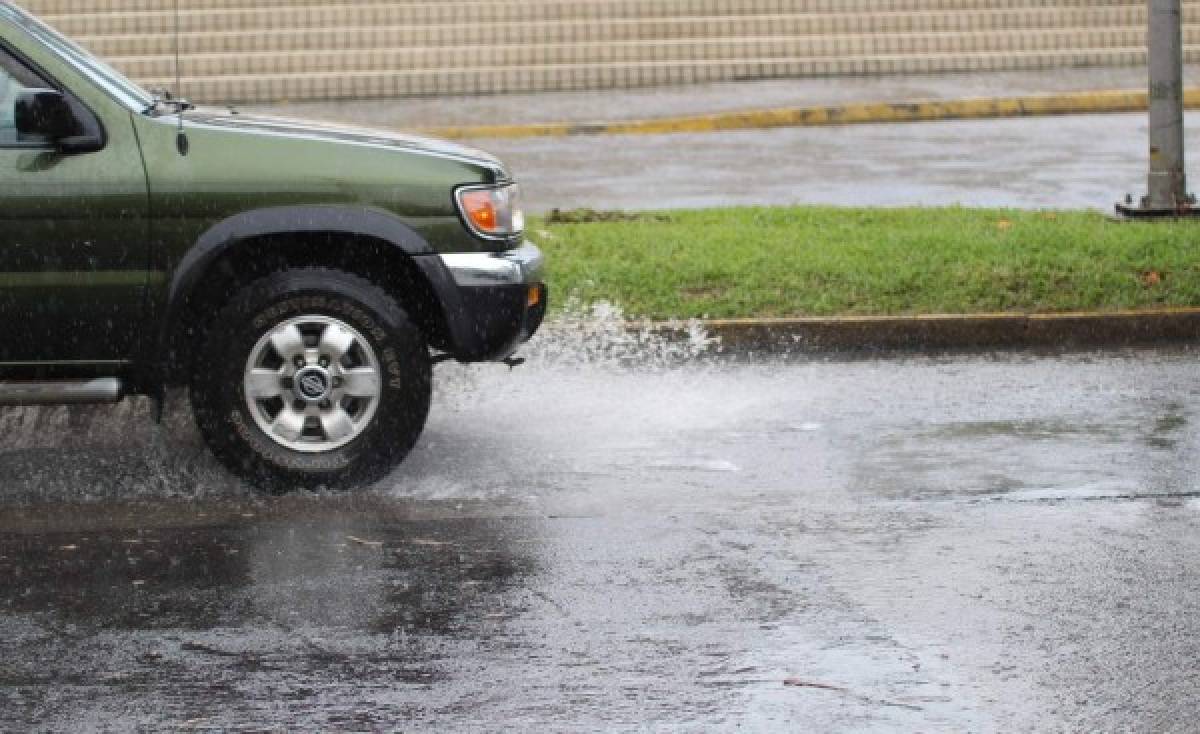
(492, 212)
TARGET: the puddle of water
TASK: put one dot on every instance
(704, 465)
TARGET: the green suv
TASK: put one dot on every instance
(299, 279)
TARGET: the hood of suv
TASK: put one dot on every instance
(340, 133)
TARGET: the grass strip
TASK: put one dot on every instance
(830, 261)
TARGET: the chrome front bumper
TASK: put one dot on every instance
(522, 266)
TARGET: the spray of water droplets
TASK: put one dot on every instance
(599, 335)
(117, 452)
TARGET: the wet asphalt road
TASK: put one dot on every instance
(600, 542)
(1084, 161)
(1068, 162)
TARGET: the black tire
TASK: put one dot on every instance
(219, 372)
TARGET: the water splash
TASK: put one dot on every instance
(593, 337)
(101, 453)
(600, 335)
(111, 452)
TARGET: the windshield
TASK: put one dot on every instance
(107, 77)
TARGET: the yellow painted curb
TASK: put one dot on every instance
(1070, 103)
(1188, 311)
(954, 331)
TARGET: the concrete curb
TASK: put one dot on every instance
(1070, 103)
(946, 332)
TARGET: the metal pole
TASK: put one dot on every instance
(1167, 183)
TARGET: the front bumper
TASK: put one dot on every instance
(522, 266)
(500, 301)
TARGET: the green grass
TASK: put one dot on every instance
(822, 261)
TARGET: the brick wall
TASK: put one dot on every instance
(269, 50)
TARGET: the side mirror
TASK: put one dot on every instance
(47, 114)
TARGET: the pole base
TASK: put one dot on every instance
(1129, 211)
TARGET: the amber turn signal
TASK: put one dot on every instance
(480, 209)
(492, 212)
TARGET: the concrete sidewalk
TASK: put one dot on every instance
(658, 102)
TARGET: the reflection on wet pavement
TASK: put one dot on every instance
(850, 544)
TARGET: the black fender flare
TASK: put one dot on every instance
(284, 220)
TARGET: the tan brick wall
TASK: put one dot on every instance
(269, 50)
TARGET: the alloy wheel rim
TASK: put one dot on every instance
(312, 383)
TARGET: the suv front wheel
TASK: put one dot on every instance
(311, 377)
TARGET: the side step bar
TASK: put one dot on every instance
(62, 392)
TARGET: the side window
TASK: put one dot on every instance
(14, 77)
